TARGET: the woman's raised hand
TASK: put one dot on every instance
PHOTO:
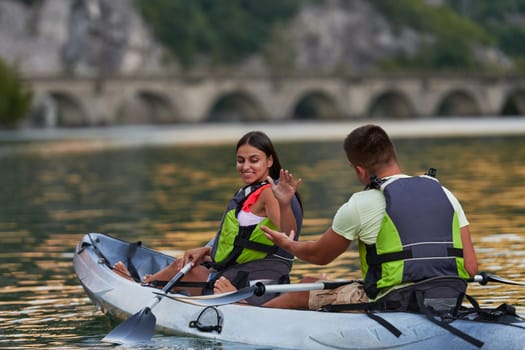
(285, 189)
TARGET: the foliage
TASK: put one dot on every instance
(504, 19)
(15, 99)
(454, 35)
(224, 31)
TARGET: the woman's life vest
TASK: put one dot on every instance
(236, 244)
(419, 236)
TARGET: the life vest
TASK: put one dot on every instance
(419, 236)
(235, 244)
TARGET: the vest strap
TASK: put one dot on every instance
(377, 259)
(457, 252)
(247, 244)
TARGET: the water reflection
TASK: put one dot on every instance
(171, 198)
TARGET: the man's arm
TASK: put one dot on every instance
(321, 252)
(469, 255)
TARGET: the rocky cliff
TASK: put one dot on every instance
(109, 36)
(76, 36)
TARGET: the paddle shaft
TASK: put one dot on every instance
(170, 284)
(260, 288)
(484, 277)
(177, 277)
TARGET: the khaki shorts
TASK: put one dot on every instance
(347, 294)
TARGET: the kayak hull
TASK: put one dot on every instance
(121, 298)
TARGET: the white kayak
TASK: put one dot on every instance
(259, 326)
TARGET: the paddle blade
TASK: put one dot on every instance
(138, 329)
(493, 278)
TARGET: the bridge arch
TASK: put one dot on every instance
(316, 104)
(458, 103)
(146, 107)
(514, 103)
(58, 108)
(235, 106)
(391, 104)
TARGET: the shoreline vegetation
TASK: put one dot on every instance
(86, 139)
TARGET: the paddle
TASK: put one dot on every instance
(484, 277)
(139, 328)
(259, 289)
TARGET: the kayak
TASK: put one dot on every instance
(121, 298)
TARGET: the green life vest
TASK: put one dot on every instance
(419, 237)
(235, 244)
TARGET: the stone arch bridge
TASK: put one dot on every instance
(195, 98)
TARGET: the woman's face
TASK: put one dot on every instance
(252, 164)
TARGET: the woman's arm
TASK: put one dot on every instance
(278, 201)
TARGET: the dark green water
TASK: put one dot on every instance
(171, 198)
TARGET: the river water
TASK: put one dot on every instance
(171, 197)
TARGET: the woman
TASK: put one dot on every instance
(240, 252)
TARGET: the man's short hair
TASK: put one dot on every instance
(370, 146)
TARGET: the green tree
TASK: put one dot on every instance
(223, 31)
(502, 18)
(455, 36)
(15, 98)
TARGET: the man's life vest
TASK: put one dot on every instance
(235, 244)
(419, 237)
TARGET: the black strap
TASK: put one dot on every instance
(132, 249)
(242, 242)
(503, 314)
(389, 326)
(426, 311)
(375, 259)
(368, 308)
(246, 243)
(458, 252)
(375, 183)
(347, 307)
(473, 302)
(241, 279)
(217, 327)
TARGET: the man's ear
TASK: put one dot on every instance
(360, 170)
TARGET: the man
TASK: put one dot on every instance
(408, 228)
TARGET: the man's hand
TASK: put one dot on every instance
(280, 239)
